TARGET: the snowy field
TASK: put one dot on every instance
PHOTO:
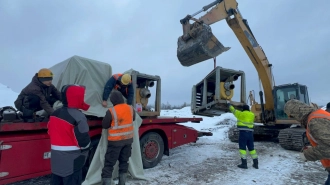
(213, 159)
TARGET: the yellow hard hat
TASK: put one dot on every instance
(126, 79)
(45, 73)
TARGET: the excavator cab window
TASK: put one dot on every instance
(284, 94)
(303, 94)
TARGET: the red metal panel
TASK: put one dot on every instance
(176, 135)
(30, 141)
(183, 135)
(21, 126)
(25, 157)
(24, 177)
(27, 151)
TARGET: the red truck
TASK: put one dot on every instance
(25, 147)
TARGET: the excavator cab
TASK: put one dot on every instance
(286, 92)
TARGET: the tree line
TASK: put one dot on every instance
(168, 106)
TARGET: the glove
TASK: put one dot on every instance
(305, 148)
(302, 157)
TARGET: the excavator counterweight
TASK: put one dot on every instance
(198, 45)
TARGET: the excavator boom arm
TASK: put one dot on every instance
(227, 9)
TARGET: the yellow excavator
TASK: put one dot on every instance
(198, 44)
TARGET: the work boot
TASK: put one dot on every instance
(106, 181)
(243, 165)
(255, 163)
(122, 178)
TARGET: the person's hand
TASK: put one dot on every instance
(104, 104)
(301, 154)
(302, 157)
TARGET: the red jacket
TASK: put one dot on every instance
(68, 132)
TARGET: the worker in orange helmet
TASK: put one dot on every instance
(122, 83)
(317, 124)
(39, 94)
(119, 122)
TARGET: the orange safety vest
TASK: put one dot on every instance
(116, 76)
(121, 126)
(317, 114)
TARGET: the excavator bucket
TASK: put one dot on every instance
(203, 45)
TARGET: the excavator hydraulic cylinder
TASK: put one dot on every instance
(198, 45)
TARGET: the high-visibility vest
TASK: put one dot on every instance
(317, 114)
(121, 126)
(116, 76)
(245, 119)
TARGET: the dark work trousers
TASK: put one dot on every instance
(33, 102)
(114, 153)
(246, 140)
(328, 180)
(73, 179)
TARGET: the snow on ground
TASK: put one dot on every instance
(213, 160)
(7, 96)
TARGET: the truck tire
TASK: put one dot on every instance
(94, 143)
(152, 149)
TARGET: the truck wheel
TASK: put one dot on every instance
(152, 149)
(90, 156)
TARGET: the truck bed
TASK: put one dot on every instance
(22, 126)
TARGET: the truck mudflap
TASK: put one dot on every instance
(198, 45)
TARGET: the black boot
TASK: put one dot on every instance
(122, 178)
(243, 165)
(255, 163)
(106, 181)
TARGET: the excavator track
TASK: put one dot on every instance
(260, 133)
(289, 138)
(292, 138)
(233, 134)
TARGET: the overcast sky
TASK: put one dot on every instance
(143, 35)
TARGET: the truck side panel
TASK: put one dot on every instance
(28, 155)
(175, 135)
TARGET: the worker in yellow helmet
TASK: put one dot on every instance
(122, 83)
(39, 94)
(245, 125)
